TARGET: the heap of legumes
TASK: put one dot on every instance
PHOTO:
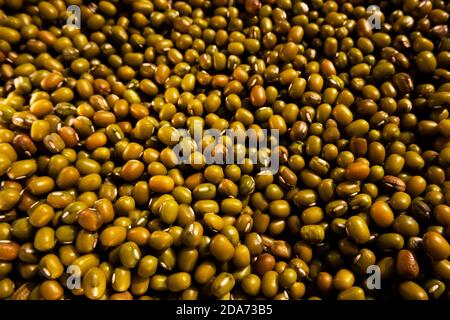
(224, 149)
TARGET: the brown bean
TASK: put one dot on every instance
(258, 96)
(90, 219)
(406, 265)
(9, 250)
(357, 171)
(264, 263)
(394, 183)
(436, 245)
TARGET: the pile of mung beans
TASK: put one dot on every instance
(95, 205)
